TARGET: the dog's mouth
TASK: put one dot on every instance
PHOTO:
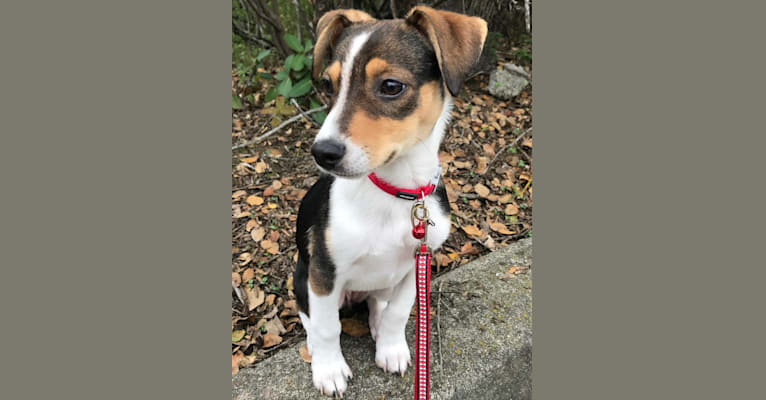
(340, 158)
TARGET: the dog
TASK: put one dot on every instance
(390, 85)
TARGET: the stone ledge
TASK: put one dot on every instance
(486, 349)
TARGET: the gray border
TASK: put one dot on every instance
(116, 200)
(648, 200)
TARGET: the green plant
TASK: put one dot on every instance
(523, 55)
(294, 79)
(295, 76)
(247, 60)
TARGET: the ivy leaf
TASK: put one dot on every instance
(270, 95)
(319, 116)
(262, 55)
(298, 62)
(289, 62)
(236, 103)
(293, 42)
(300, 88)
(282, 75)
(284, 88)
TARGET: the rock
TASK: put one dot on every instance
(508, 82)
(486, 349)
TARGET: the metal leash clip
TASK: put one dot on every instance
(420, 220)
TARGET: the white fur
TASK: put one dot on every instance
(369, 239)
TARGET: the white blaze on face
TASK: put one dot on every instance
(355, 161)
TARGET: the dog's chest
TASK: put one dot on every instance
(372, 243)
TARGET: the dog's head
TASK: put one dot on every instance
(387, 82)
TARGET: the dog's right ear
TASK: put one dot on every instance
(329, 28)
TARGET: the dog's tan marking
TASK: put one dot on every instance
(375, 67)
(333, 73)
(380, 136)
(320, 283)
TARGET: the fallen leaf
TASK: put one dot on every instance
(247, 274)
(304, 353)
(472, 230)
(353, 327)
(481, 190)
(277, 153)
(235, 360)
(275, 326)
(527, 142)
(271, 339)
(289, 284)
(235, 279)
(504, 198)
(260, 167)
(274, 236)
(518, 269)
(249, 160)
(254, 200)
(468, 249)
(239, 193)
(250, 225)
(500, 227)
(255, 297)
(258, 234)
(270, 299)
(276, 185)
(511, 209)
(271, 247)
(237, 335)
(442, 259)
(269, 191)
(245, 258)
(452, 255)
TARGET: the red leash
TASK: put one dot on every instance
(423, 284)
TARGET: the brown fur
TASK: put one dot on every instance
(329, 29)
(457, 40)
(333, 73)
(381, 136)
(321, 283)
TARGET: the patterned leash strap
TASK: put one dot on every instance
(423, 326)
(420, 224)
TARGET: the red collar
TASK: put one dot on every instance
(406, 194)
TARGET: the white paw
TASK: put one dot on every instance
(330, 375)
(393, 356)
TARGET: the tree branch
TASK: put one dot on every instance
(280, 126)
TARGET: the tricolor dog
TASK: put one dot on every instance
(390, 85)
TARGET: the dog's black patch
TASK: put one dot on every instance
(313, 216)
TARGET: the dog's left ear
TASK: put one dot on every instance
(457, 40)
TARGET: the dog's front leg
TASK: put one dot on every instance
(328, 367)
(391, 351)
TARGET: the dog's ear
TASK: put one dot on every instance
(329, 28)
(457, 40)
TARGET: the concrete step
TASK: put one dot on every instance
(484, 326)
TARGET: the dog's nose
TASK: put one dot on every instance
(328, 153)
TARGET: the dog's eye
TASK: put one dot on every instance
(327, 87)
(391, 88)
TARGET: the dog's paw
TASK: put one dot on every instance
(330, 375)
(393, 357)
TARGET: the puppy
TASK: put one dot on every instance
(390, 85)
